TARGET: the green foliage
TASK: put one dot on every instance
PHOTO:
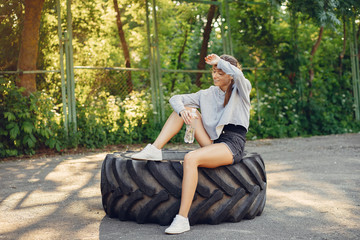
(323, 12)
(29, 123)
(26, 123)
(275, 37)
(11, 17)
(107, 119)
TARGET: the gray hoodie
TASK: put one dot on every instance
(211, 102)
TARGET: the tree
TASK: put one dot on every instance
(11, 17)
(342, 54)
(29, 44)
(204, 46)
(182, 50)
(346, 10)
(313, 51)
(124, 45)
(323, 14)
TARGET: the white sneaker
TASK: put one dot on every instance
(150, 152)
(180, 224)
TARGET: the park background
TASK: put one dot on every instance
(124, 59)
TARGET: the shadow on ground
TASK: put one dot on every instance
(313, 192)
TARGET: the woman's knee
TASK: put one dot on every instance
(174, 114)
(190, 160)
(197, 112)
(189, 108)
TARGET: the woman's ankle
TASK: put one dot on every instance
(183, 215)
(157, 145)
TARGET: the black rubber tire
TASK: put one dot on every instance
(150, 191)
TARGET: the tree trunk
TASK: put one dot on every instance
(29, 44)
(181, 52)
(313, 51)
(123, 45)
(342, 54)
(294, 67)
(311, 77)
(204, 45)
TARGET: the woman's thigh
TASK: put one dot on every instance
(211, 156)
(201, 135)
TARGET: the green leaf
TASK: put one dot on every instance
(3, 132)
(14, 130)
(27, 127)
(33, 138)
(47, 133)
(10, 125)
(29, 140)
(58, 148)
(11, 152)
(10, 116)
(52, 143)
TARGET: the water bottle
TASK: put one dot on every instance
(190, 128)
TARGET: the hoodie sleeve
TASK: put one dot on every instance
(242, 84)
(179, 102)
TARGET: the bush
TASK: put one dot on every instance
(26, 123)
(106, 119)
(33, 122)
(278, 110)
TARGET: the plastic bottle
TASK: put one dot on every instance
(190, 128)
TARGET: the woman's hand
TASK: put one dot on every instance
(187, 116)
(212, 59)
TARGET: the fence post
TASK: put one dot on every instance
(151, 65)
(63, 88)
(68, 81)
(158, 65)
(68, 86)
(228, 35)
(222, 28)
(355, 68)
(155, 65)
(71, 67)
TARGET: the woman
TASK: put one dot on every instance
(220, 129)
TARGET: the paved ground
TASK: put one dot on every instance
(313, 193)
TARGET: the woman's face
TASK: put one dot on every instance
(221, 79)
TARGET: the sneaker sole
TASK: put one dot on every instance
(174, 233)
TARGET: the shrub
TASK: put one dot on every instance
(26, 123)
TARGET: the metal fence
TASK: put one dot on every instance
(120, 81)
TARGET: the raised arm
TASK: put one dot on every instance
(242, 84)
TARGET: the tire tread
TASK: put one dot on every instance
(150, 191)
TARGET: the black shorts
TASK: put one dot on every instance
(234, 138)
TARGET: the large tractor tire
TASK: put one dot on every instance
(150, 191)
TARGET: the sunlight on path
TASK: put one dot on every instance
(313, 192)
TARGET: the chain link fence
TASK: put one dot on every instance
(110, 80)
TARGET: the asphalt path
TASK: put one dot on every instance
(313, 193)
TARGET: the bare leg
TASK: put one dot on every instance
(201, 135)
(173, 125)
(211, 156)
